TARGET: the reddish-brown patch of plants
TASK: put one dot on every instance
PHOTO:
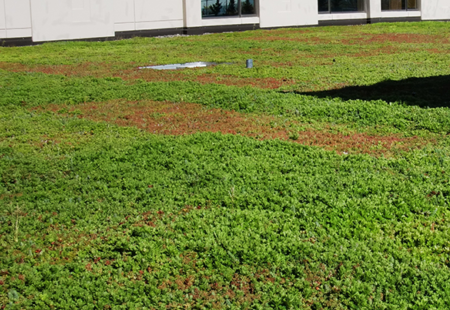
(82, 69)
(363, 38)
(187, 118)
(10, 196)
(131, 73)
(395, 38)
(438, 51)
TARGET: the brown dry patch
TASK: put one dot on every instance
(192, 75)
(395, 38)
(239, 290)
(10, 196)
(83, 69)
(64, 245)
(438, 51)
(361, 39)
(379, 51)
(326, 59)
(317, 279)
(131, 73)
(187, 118)
(212, 78)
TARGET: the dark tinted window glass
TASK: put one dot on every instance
(248, 7)
(211, 8)
(345, 5)
(231, 7)
(395, 5)
(341, 5)
(412, 4)
(323, 6)
(219, 7)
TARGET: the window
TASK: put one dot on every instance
(331, 6)
(396, 5)
(211, 8)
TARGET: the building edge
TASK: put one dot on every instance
(120, 35)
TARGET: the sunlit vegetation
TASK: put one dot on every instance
(317, 180)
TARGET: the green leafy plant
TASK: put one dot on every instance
(294, 136)
(115, 216)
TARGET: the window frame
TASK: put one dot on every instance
(239, 15)
(364, 10)
(403, 10)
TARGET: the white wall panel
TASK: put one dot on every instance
(2, 15)
(435, 9)
(71, 19)
(282, 13)
(152, 11)
(230, 21)
(18, 33)
(2, 34)
(124, 19)
(159, 25)
(374, 8)
(341, 16)
(123, 11)
(17, 14)
(124, 27)
(15, 18)
(192, 13)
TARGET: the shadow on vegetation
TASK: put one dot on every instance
(430, 92)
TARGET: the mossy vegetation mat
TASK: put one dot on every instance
(317, 180)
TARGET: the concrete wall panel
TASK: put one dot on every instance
(159, 25)
(283, 13)
(132, 15)
(18, 33)
(124, 19)
(157, 11)
(342, 16)
(123, 11)
(71, 19)
(17, 14)
(192, 13)
(374, 8)
(435, 9)
(124, 27)
(230, 21)
(15, 18)
(2, 16)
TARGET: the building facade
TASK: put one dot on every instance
(55, 20)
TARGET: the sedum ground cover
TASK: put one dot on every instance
(317, 180)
